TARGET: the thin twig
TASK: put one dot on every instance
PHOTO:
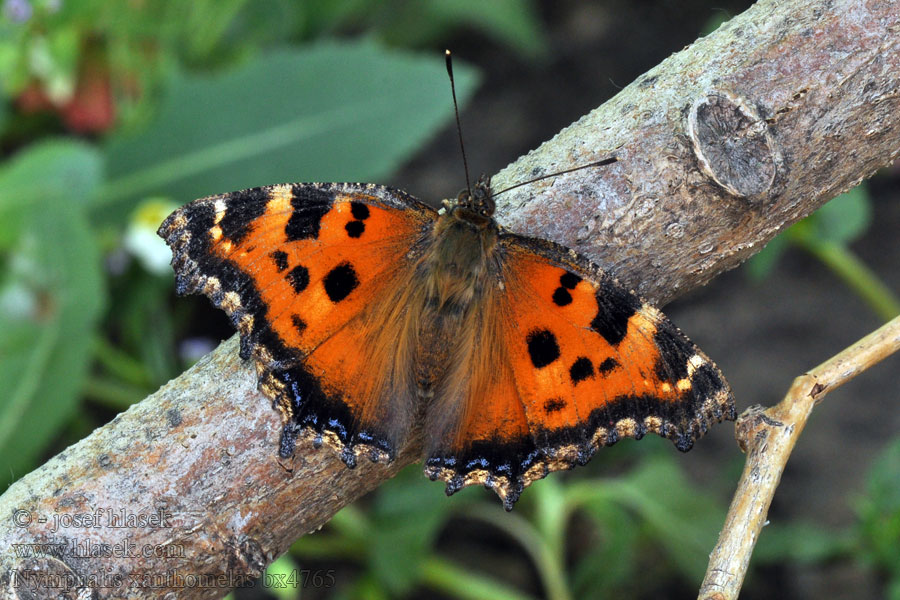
(768, 437)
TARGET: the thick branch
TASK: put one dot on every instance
(719, 147)
(768, 437)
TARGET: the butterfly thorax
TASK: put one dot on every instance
(464, 240)
(457, 270)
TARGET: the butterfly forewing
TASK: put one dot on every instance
(309, 274)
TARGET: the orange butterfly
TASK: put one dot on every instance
(372, 317)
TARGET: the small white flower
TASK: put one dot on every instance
(140, 238)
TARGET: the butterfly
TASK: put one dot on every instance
(373, 318)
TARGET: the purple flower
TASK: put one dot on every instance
(17, 11)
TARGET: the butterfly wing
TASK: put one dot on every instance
(581, 363)
(312, 275)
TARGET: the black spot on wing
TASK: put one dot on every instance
(542, 347)
(581, 369)
(280, 259)
(562, 297)
(299, 323)
(569, 280)
(310, 204)
(615, 305)
(340, 281)
(241, 209)
(359, 211)
(298, 277)
(554, 405)
(355, 229)
(607, 366)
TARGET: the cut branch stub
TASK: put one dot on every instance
(733, 145)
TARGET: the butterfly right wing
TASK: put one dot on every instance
(311, 275)
(578, 362)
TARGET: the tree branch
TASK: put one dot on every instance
(719, 147)
(768, 437)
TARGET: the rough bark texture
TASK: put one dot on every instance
(719, 147)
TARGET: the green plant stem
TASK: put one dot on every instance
(31, 379)
(156, 176)
(113, 394)
(447, 577)
(856, 275)
(550, 570)
(119, 363)
(551, 517)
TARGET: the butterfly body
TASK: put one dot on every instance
(374, 320)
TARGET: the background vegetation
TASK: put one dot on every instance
(113, 114)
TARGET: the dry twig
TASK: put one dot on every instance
(768, 437)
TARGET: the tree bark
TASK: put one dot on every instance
(718, 148)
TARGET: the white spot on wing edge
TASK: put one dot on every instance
(694, 363)
(220, 208)
(280, 197)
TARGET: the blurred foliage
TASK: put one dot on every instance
(95, 63)
(650, 519)
(827, 234)
(879, 519)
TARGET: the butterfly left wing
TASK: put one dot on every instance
(580, 363)
(312, 276)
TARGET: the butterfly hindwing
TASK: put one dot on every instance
(308, 274)
(587, 361)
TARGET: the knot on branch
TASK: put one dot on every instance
(732, 144)
(751, 425)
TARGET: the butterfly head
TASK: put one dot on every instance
(475, 206)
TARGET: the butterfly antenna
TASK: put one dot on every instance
(599, 163)
(462, 146)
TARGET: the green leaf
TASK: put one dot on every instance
(844, 218)
(407, 516)
(512, 22)
(608, 568)
(801, 543)
(763, 262)
(48, 173)
(281, 579)
(53, 269)
(329, 112)
(683, 521)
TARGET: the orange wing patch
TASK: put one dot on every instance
(294, 266)
(589, 362)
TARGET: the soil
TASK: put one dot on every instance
(762, 335)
